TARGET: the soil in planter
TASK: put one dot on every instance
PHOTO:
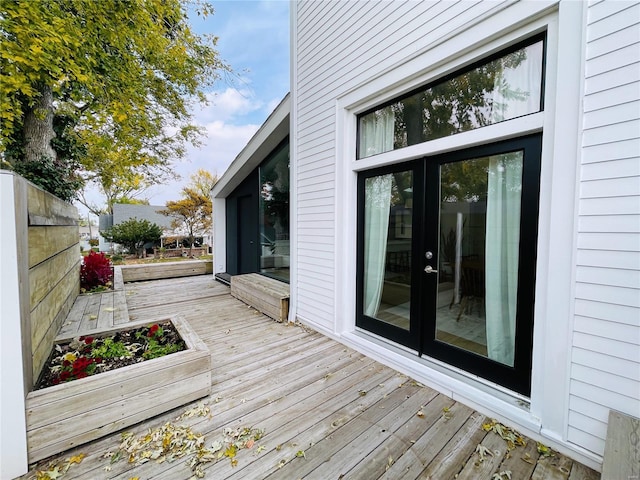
(90, 355)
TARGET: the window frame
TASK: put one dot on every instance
(540, 36)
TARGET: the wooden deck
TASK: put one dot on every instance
(327, 411)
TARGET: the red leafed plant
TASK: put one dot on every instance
(96, 271)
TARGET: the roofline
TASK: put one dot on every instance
(270, 134)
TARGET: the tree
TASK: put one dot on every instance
(203, 181)
(134, 234)
(123, 72)
(192, 213)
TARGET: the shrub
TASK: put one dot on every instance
(95, 271)
(134, 234)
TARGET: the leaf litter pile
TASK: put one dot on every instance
(513, 439)
(168, 443)
(171, 442)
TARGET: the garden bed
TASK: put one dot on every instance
(72, 413)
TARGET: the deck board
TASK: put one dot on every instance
(352, 417)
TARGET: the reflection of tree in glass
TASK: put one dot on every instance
(464, 181)
(462, 103)
(402, 190)
(274, 178)
(469, 180)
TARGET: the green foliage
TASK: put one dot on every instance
(122, 73)
(54, 176)
(111, 349)
(155, 349)
(133, 234)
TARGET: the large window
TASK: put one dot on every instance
(501, 88)
(274, 215)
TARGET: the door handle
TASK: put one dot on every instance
(429, 269)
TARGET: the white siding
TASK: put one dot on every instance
(340, 45)
(605, 367)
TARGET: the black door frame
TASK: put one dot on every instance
(421, 336)
(248, 188)
(410, 338)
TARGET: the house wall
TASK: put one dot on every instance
(605, 353)
(350, 56)
(328, 63)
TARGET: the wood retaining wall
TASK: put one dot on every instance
(54, 268)
(48, 261)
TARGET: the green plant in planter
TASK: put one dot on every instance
(155, 349)
(111, 349)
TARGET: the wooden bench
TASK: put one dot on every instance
(155, 271)
(267, 295)
(622, 448)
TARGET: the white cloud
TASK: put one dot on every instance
(227, 105)
(223, 143)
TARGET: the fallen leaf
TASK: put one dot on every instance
(109, 309)
(76, 458)
(527, 458)
(420, 413)
(500, 475)
(52, 474)
(483, 451)
(300, 453)
(93, 317)
(544, 450)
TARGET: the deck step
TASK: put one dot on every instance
(267, 295)
(621, 452)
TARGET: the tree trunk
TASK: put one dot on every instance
(38, 127)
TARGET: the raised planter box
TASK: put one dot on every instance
(70, 414)
(155, 271)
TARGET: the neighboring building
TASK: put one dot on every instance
(125, 211)
(87, 233)
(465, 201)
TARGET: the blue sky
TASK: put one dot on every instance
(253, 38)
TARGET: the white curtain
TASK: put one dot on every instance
(501, 260)
(376, 136)
(376, 132)
(376, 228)
(517, 90)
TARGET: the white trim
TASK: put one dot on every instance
(293, 165)
(491, 133)
(555, 270)
(13, 426)
(219, 235)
